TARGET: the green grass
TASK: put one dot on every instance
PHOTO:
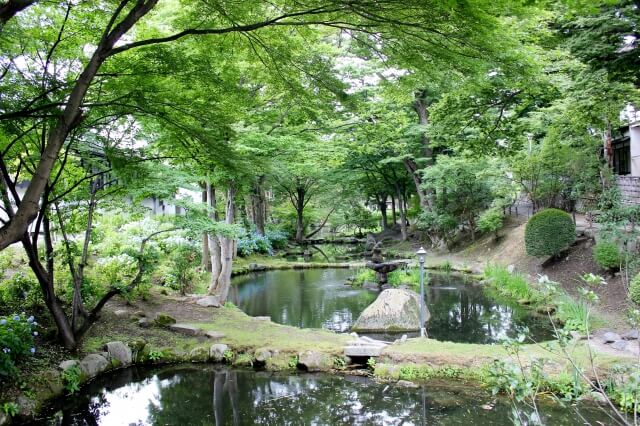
(511, 285)
(575, 315)
(362, 275)
(409, 276)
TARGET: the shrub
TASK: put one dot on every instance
(491, 221)
(607, 255)
(254, 243)
(548, 232)
(634, 289)
(363, 275)
(16, 342)
(574, 314)
(512, 285)
(21, 291)
(410, 277)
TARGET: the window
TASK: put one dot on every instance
(622, 158)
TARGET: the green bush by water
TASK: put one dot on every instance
(574, 314)
(409, 277)
(362, 275)
(548, 232)
(511, 285)
(607, 255)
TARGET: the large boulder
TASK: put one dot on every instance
(315, 361)
(93, 364)
(393, 310)
(120, 352)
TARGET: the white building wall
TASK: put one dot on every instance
(634, 145)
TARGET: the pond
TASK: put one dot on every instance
(216, 395)
(318, 298)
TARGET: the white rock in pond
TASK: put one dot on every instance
(93, 364)
(393, 310)
(119, 351)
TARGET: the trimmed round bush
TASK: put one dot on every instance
(548, 232)
(634, 290)
(607, 255)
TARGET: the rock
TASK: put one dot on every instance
(511, 269)
(214, 334)
(144, 322)
(140, 314)
(70, 363)
(199, 354)
(393, 310)
(620, 345)
(610, 337)
(209, 302)
(262, 354)
(120, 352)
(189, 330)
(403, 338)
(315, 361)
(575, 335)
(362, 351)
(93, 364)
(406, 384)
(26, 406)
(54, 382)
(631, 335)
(121, 312)
(216, 352)
(4, 418)
(262, 318)
(164, 320)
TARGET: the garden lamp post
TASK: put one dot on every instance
(421, 256)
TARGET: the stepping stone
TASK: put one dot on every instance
(262, 318)
(363, 350)
(209, 302)
(189, 330)
(214, 334)
(610, 337)
(620, 345)
(631, 335)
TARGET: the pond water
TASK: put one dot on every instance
(318, 298)
(215, 395)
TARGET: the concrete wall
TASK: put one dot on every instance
(634, 144)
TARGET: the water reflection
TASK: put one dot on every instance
(197, 395)
(318, 298)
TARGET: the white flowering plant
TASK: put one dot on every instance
(16, 342)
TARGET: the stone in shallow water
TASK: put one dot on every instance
(216, 352)
(315, 361)
(393, 310)
(406, 384)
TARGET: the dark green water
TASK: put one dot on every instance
(318, 298)
(209, 395)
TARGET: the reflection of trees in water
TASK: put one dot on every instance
(462, 313)
(307, 298)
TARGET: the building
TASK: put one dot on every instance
(624, 157)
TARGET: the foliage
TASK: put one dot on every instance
(405, 276)
(277, 238)
(21, 291)
(363, 275)
(512, 285)
(10, 408)
(548, 232)
(184, 259)
(491, 220)
(574, 314)
(253, 242)
(155, 355)
(634, 289)
(71, 378)
(16, 343)
(607, 255)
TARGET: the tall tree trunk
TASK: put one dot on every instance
(393, 210)
(403, 215)
(299, 214)
(206, 255)
(227, 247)
(258, 202)
(382, 205)
(213, 242)
(420, 106)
